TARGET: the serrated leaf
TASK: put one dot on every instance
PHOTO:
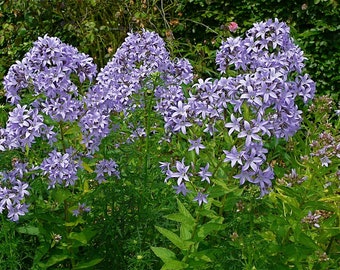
(164, 254)
(175, 239)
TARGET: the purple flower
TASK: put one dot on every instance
(181, 189)
(180, 110)
(325, 161)
(182, 172)
(165, 166)
(201, 198)
(264, 180)
(249, 132)
(82, 208)
(312, 219)
(244, 176)
(234, 125)
(204, 173)
(13, 192)
(142, 64)
(48, 67)
(106, 167)
(234, 156)
(181, 124)
(196, 145)
(94, 126)
(23, 126)
(61, 168)
(16, 210)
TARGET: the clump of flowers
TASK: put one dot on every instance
(106, 168)
(140, 71)
(312, 219)
(256, 105)
(326, 148)
(47, 89)
(291, 179)
(13, 191)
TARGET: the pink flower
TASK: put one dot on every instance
(233, 26)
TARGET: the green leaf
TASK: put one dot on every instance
(185, 231)
(83, 237)
(207, 228)
(87, 167)
(30, 230)
(55, 259)
(180, 218)
(164, 254)
(174, 265)
(184, 211)
(204, 255)
(305, 240)
(175, 239)
(60, 195)
(72, 130)
(84, 265)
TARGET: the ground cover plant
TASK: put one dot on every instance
(142, 166)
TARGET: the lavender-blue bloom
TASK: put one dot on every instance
(196, 145)
(181, 173)
(48, 67)
(106, 167)
(61, 169)
(82, 208)
(142, 63)
(201, 198)
(13, 192)
(23, 126)
(94, 127)
(181, 189)
(204, 173)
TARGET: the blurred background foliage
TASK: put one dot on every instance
(192, 28)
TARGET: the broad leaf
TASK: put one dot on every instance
(175, 239)
(164, 254)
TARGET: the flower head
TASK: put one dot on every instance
(201, 198)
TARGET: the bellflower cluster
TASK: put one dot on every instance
(23, 126)
(181, 172)
(61, 168)
(257, 104)
(140, 67)
(13, 191)
(104, 168)
(48, 69)
(326, 148)
(263, 97)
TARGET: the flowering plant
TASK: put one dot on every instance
(217, 142)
